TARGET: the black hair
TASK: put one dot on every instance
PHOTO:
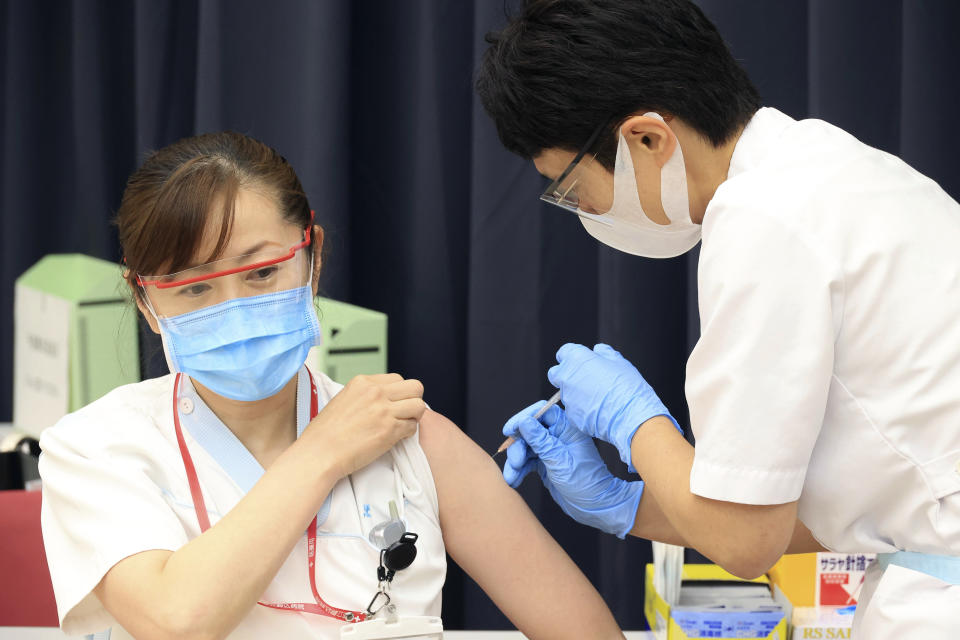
(562, 68)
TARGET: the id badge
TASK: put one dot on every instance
(395, 627)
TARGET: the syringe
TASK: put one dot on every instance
(554, 399)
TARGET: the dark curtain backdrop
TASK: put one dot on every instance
(427, 218)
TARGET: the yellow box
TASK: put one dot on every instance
(657, 611)
(796, 575)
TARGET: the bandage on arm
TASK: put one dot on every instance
(491, 533)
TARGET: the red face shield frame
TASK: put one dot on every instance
(169, 284)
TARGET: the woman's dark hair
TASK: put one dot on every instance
(168, 200)
(562, 68)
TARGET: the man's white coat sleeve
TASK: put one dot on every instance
(758, 379)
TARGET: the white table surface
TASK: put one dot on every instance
(45, 633)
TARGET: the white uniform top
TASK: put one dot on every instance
(114, 485)
(829, 363)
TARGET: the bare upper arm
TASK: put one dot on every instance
(748, 539)
(744, 539)
(492, 534)
(465, 476)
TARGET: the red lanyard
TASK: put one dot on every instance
(319, 607)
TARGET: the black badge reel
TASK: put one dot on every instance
(398, 551)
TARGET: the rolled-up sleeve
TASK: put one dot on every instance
(758, 379)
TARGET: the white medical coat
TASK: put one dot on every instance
(828, 369)
(114, 485)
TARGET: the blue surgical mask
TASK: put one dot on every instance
(244, 348)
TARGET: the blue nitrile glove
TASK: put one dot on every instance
(605, 395)
(571, 469)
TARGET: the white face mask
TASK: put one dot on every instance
(627, 228)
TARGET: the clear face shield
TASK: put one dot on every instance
(264, 274)
(241, 326)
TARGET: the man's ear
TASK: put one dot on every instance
(137, 297)
(651, 142)
(317, 256)
(649, 139)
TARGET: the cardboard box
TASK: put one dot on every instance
(75, 338)
(840, 577)
(354, 341)
(685, 623)
(822, 623)
(826, 579)
(795, 574)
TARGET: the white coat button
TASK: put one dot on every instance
(958, 466)
(186, 406)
